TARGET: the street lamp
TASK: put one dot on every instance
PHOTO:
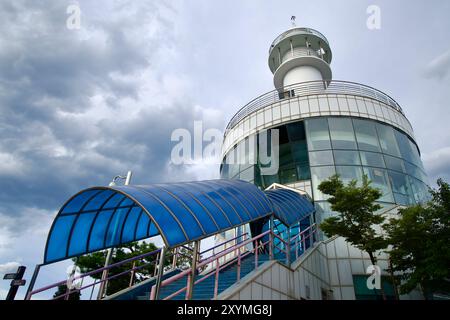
(127, 179)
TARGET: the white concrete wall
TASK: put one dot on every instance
(301, 74)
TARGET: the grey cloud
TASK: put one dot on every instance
(439, 67)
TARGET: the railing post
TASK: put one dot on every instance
(239, 265)
(160, 273)
(132, 274)
(190, 288)
(155, 269)
(104, 279)
(175, 256)
(288, 246)
(32, 282)
(256, 254)
(271, 239)
(216, 280)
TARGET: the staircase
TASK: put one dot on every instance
(204, 290)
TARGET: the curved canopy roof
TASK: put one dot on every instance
(289, 206)
(103, 217)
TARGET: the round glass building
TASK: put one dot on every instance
(323, 127)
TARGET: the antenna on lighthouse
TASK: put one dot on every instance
(293, 21)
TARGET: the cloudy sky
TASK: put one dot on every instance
(78, 107)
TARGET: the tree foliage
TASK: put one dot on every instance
(357, 216)
(419, 240)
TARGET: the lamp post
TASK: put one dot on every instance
(104, 281)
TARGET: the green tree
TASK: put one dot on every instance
(357, 214)
(419, 244)
(96, 261)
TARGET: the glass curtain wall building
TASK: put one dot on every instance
(324, 127)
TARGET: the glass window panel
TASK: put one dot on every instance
(346, 157)
(399, 182)
(296, 131)
(285, 154)
(224, 171)
(321, 158)
(394, 163)
(288, 175)
(366, 135)
(300, 152)
(248, 174)
(372, 159)
(303, 172)
(270, 179)
(380, 180)
(387, 139)
(342, 135)
(402, 199)
(319, 174)
(99, 230)
(404, 146)
(349, 173)
(59, 236)
(318, 135)
(80, 234)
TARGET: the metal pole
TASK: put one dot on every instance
(32, 281)
(288, 247)
(104, 282)
(193, 271)
(160, 272)
(271, 238)
(174, 261)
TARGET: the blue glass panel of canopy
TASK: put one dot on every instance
(289, 206)
(103, 217)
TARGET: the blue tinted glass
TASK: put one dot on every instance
(202, 215)
(229, 207)
(114, 201)
(153, 231)
(78, 202)
(130, 225)
(57, 243)
(80, 234)
(185, 217)
(379, 180)
(99, 230)
(349, 173)
(172, 229)
(249, 211)
(115, 227)
(399, 182)
(253, 194)
(99, 200)
(366, 135)
(142, 227)
(321, 158)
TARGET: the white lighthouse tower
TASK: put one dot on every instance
(299, 55)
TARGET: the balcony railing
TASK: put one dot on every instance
(312, 88)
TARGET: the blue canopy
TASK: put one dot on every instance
(289, 206)
(104, 217)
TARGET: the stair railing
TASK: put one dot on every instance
(236, 249)
(135, 267)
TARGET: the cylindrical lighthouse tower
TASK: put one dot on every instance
(325, 127)
(300, 55)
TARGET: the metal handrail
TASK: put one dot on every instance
(87, 274)
(309, 88)
(223, 243)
